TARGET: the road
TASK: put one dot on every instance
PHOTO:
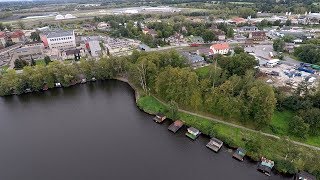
(242, 127)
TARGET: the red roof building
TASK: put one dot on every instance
(222, 48)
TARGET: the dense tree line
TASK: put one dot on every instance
(309, 53)
(307, 110)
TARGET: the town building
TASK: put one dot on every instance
(94, 48)
(258, 36)
(59, 39)
(222, 48)
(247, 29)
(16, 36)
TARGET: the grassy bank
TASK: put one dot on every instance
(278, 150)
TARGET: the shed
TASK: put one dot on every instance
(265, 166)
(215, 144)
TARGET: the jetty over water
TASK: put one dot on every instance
(215, 144)
(175, 126)
(159, 118)
(239, 154)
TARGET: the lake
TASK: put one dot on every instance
(95, 131)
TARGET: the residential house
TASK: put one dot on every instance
(194, 59)
(221, 48)
(103, 26)
(238, 20)
(17, 36)
(221, 35)
(151, 32)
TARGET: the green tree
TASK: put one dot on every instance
(238, 50)
(237, 64)
(19, 64)
(312, 118)
(208, 36)
(21, 25)
(278, 45)
(254, 147)
(47, 60)
(2, 26)
(298, 127)
(173, 110)
(35, 36)
(288, 38)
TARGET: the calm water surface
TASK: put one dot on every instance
(95, 131)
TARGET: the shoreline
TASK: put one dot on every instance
(226, 144)
(229, 144)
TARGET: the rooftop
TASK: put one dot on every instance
(58, 33)
(221, 46)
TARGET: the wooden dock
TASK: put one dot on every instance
(239, 154)
(214, 144)
(175, 126)
(159, 118)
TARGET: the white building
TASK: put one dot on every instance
(59, 39)
(222, 48)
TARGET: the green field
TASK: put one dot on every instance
(40, 62)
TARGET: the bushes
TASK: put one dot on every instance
(285, 166)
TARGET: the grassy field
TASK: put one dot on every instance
(275, 149)
(203, 71)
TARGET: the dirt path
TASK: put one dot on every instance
(242, 127)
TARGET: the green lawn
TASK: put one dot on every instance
(40, 62)
(151, 105)
(280, 123)
(202, 71)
